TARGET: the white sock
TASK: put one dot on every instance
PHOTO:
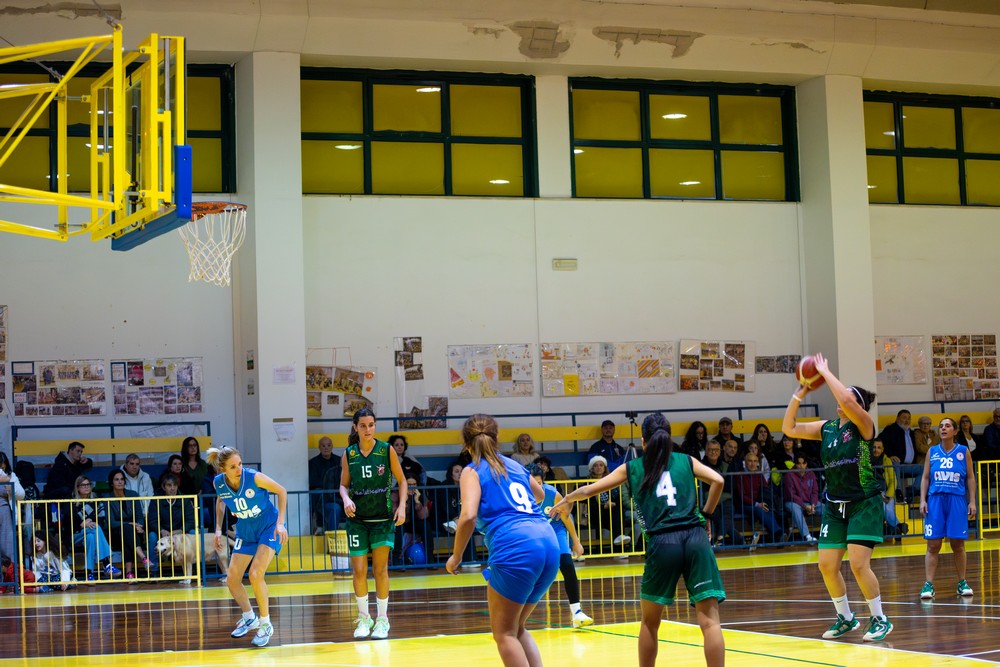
(362, 605)
(382, 604)
(575, 607)
(249, 615)
(843, 607)
(265, 620)
(875, 606)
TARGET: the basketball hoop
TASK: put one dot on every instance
(213, 236)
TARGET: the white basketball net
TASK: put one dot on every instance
(211, 240)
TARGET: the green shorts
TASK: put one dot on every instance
(859, 520)
(681, 552)
(365, 536)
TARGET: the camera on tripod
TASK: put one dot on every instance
(631, 415)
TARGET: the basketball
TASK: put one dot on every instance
(807, 375)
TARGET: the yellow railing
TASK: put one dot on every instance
(989, 503)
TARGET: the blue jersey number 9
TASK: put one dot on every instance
(522, 499)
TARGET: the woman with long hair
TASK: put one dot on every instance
(367, 470)
(260, 534)
(523, 450)
(175, 468)
(126, 523)
(195, 468)
(696, 440)
(500, 495)
(88, 514)
(663, 487)
(966, 436)
(853, 512)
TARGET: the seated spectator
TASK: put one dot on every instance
(25, 471)
(784, 459)
(965, 436)
(410, 466)
(138, 480)
(606, 510)
(991, 439)
(801, 493)
(447, 501)
(10, 492)
(723, 529)
(765, 443)
(126, 523)
(65, 469)
(324, 475)
(750, 498)
(415, 526)
(48, 566)
(168, 515)
(612, 453)
(88, 515)
(726, 432)
(696, 441)
(923, 438)
(194, 468)
(175, 469)
(523, 450)
(897, 438)
(545, 464)
(887, 477)
(753, 447)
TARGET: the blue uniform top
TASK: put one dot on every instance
(547, 503)
(948, 470)
(506, 501)
(249, 503)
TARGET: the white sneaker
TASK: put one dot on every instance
(811, 540)
(581, 620)
(263, 635)
(450, 526)
(622, 539)
(364, 623)
(244, 627)
(381, 630)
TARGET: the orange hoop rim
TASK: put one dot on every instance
(202, 208)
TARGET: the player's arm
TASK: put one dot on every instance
(574, 539)
(846, 399)
(397, 472)
(613, 479)
(471, 494)
(268, 484)
(925, 480)
(970, 483)
(345, 485)
(220, 518)
(537, 490)
(797, 429)
(709, 476)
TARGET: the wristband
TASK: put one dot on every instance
(795, 397)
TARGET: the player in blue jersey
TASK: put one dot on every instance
(498, 493)
(260, 532)
(566, 534)
(947, 501)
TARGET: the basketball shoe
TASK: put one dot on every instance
(244, 626)
(364, 623)
(841, 627)
(879, 628)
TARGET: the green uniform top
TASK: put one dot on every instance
(847, 459)
(371, 482)
(673, 504)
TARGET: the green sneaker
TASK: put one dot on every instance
(964, 589)
(927, 592)
(841, 627)
(879, 628)
(364, 623)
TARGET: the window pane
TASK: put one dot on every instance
(400, 168)
(688, 174)
(78, 113)
(78, 163)
(487, 169)
(333, 167)
(204, 103)
(608, 172)
(206, 169)
(680, 117)
(485, 111)
(606, 114)
(749, 120)
(753, 175)
(880, 125)
(11, 110)
(28, 166)
(930, 180)
(882, 180)
(332, 106)
(928, 127)
(406, 108)
(981, 179)
(981, 129)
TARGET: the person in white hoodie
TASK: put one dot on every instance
(137, 480)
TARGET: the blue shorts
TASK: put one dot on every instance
(562, 537)
(250, 534)
(524, 564)
(947, 516)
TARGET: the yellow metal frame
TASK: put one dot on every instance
(118, 201)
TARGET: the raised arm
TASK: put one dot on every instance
(796, 429)
(846, 399)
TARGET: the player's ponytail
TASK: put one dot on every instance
(658, 448)
(480, 433)
(217, 456)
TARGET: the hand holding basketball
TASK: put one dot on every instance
(807, 372)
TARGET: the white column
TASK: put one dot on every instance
(552, 118)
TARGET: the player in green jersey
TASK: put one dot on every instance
(852, 515)
(367, 468)
(663, 488)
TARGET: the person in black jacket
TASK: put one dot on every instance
(65, 469)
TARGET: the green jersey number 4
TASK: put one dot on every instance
(666, 487)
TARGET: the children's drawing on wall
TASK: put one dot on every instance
(605, 368)
(164, 386)
(717, 365)
(58, 388)
(900, 360)
(416, 408)
(491, 371)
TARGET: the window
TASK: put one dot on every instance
(417, 133)
(674, 140)
(929, 149)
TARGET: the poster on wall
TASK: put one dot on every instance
(58, 388)
(3, 334)
(158, 386)
(491, 371)
(900, 360)
(3, 386)
(416, 407)
(717, 365)
(782, 363)
(608, 369)
(339, 391)
(965, 367)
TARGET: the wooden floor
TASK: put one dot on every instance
(777, 609)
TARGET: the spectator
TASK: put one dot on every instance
(25, 471)
(762, 436)
(324, 475)
(550, 473)
(175, 469)
(88, 515)
(801, 492)
(523, 450)
(753, 447)
(605, 510)
(887, 476)
(696, 441)
(168, 515)
(447, 501)
(991, 439)
(898, 441)
(138, 480)
(410, 466)
(751, 489)
(415, 526)
(923, 438)
(723, 529)
(65, 469)
(726, 432)
(126, 523)
(195, 468)
(8, 494)
(966, 436)
(47, 565)
(784, 459)
(612, 453)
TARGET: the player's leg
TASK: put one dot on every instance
(931, 560)
(958, 549)
(649, 628)
(382, 539)
(506, 624)
(711, 629)
(705, 591)
(572, 584)
(258, 567)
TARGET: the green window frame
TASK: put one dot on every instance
(939, 150)
(396, 141)
(213, 135)
(618, 140)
